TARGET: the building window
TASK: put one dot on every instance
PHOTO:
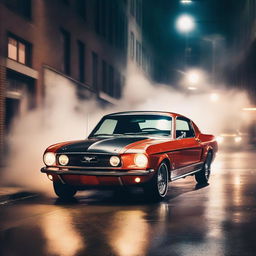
(81, 8)
(111, 81)
(132, 7)
(97, 15)
(95, 70)
(138, 9)
(104, 77)
(132, 45)
(81, 61)
(65, 44)
(19, 50)
(117, 92)
(22, 7)
(138, 53)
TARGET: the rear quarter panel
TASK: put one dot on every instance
(209, 143)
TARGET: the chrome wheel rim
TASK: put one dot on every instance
(162, 180)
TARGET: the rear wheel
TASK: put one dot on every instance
(158, 187)
(203, 175)
(64, 191)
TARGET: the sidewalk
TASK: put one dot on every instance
(10, 194)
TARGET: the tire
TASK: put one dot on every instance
(64, 191)
(202, 177)
(157, 188)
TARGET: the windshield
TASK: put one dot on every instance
(133, 125)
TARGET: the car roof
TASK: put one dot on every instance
(145, 113)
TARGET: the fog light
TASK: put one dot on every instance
(137, 180)
(50, 177)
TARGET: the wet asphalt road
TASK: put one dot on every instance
(218, 219)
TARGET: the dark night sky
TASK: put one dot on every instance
(211, 16)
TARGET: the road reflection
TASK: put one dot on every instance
(61, 236)
(193, 220)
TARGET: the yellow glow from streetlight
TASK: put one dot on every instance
(214, 97)
(185, 23)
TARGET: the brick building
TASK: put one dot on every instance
(89, 43)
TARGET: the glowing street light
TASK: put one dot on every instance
(186, 1)
(185, 23)
(193, 77)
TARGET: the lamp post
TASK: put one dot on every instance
(185, 24)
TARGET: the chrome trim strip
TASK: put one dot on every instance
(187, 166)
(186, 174)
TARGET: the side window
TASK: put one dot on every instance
(184, 128)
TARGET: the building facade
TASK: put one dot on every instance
(87, 42)
(242, 62)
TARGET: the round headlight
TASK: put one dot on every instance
(49, 158)
(114, 160)
(63, 159)
(141, 160)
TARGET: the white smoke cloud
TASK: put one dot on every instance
(64, 117)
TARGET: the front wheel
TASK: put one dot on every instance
(203, 175)
(158, 187)
(64, 191)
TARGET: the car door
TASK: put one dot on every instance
(190, 150)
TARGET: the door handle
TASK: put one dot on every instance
(198, 140)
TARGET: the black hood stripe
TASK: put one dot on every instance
(101, 145)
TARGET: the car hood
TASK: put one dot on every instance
(112, 145)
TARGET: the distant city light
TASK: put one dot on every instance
(249, 109)
(191, 88)
(186, 1)
(185, 23)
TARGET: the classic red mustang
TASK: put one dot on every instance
(147, 149)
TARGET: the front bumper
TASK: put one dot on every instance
(98, 178)
(96, 172)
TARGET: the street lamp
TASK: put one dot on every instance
(186, 1)
(193, 78)
(185, 23)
